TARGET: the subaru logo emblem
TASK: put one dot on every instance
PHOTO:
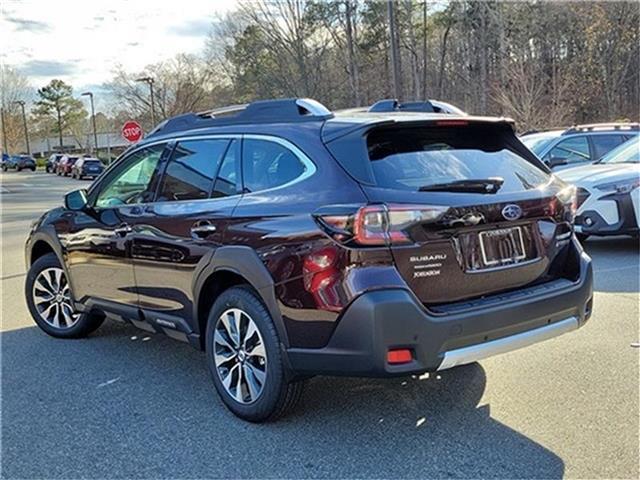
(512, 212)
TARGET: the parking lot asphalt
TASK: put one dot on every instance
(126, 404)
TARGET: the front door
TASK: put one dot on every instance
(177, 234)
(98, 244)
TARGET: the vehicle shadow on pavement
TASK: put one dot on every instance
(616, 263)
(123, 403)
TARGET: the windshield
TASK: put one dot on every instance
(537, 141)
(628, 152)
(419, 158)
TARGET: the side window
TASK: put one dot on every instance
(190, 172)
(132, 182)
(227, 180)
(572, 150)
(604, 143)
(267, 164)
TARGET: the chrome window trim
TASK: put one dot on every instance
(310, 166)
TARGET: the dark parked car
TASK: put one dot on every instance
(65, 164)
(19, 162)
(578, 145)
(52, 163)
(86, 167)
(287, 241)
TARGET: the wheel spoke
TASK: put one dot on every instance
(250, 332)
(56, 315)
(42, 287)
(239, 396)
(222, 360)
(218, 338)
(47, 311)
(68, 315)
(257, 350)
(252, 384)
(53, 279)
(236, 317)
(258, 374)
(228, 322)
(40, 298)
(227, 380)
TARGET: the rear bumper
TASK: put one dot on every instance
(592, 221)
(393, 318)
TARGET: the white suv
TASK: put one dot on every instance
(608, 192)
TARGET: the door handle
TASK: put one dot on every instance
(123, 230)
(202, 230)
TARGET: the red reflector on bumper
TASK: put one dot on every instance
(399, 356)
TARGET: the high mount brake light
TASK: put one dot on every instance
(378, 225)
(452, 123)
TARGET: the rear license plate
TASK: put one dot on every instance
(503, 246)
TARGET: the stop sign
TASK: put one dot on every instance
(132, 131)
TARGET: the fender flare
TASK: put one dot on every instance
(47, 235)
(243, 261)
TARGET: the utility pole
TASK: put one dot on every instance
(93, 121)
(24, 123)
(4, 131)
(424, 51)
(149, 81)
(395, 52)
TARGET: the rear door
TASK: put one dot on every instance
(481, 241)
(603, 143)
(177, 233)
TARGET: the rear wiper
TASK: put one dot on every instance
(485, 185)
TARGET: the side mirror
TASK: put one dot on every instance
(76, 200)
(557, 161)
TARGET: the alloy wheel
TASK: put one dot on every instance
(52, 298)
(240, 355)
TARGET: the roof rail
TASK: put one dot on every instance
(602, 127)
(393, 105)
(288, 110)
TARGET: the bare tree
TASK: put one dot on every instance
(13, 87)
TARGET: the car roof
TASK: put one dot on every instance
(290, 117)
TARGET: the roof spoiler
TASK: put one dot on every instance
(288, 110)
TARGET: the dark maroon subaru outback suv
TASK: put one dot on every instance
(288, 241)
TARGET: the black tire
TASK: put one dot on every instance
(57, 172)
(582, 237)
(33, 169)
(85, 324)
(5, 168)
(19, 169)
(278, 394)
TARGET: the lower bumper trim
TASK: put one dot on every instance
(473, 353)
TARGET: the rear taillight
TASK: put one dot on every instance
(377, 225)
(568, 197)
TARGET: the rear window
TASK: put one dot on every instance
(415, 158)
(92, 163)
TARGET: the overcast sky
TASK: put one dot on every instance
(81, 41)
